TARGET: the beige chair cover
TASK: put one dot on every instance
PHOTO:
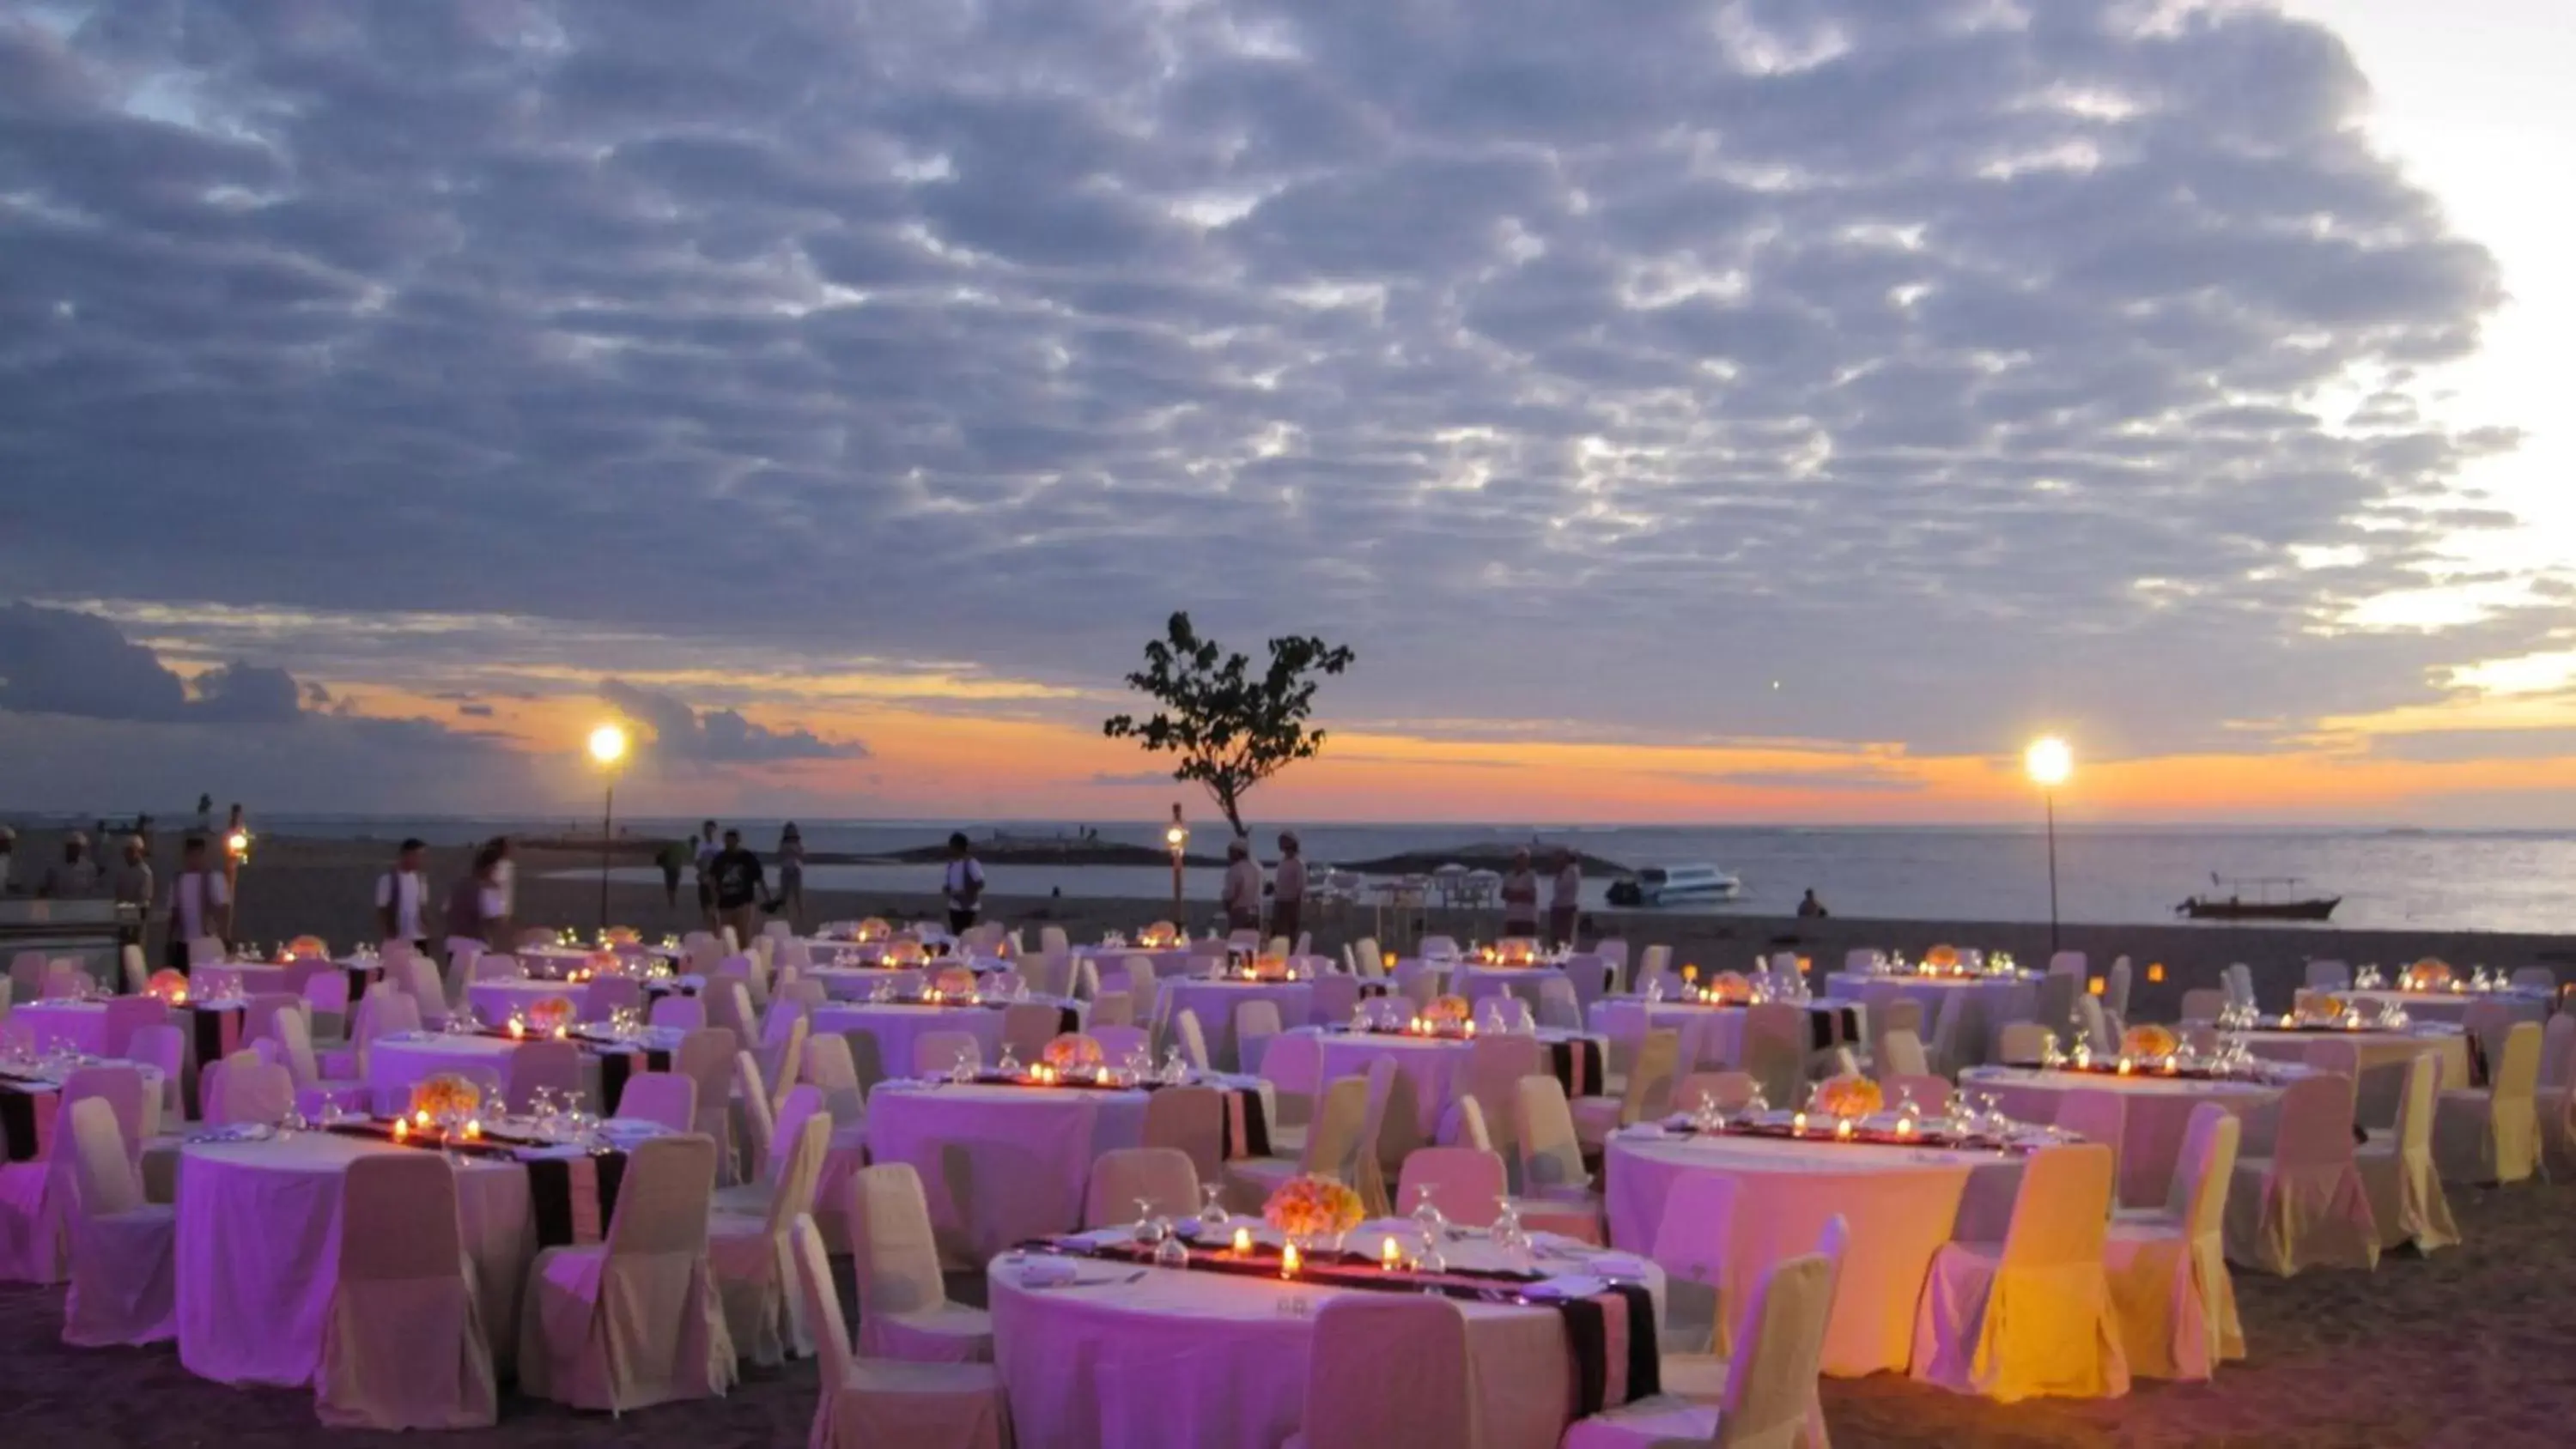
(753, 1264)
(935, 1052)
(634, 1321)
(875, 1403)
(123, 1286)
(2031, 1315)
(1769, 1394)
(1390, 1369)
(1161, 1176)
(1495, 1066)
(2494, 1135)
(665, 1097)
(37, 1197)
(1556, 1187)
(1332, 1145)
(1027, 1027)
(2303, 1206)
(1187, 1035)
(2168, 1266)
(403, 1342)
(1648, 1091)
(1190, 1120)
(1467, 1184)
(904, 1312)
(2398, 1172)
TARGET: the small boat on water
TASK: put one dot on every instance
(2265, 906)
(1675, 885)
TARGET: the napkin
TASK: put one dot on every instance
(1565, 1285)
(1048, 1272)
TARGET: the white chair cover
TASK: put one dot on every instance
(753, 1262)
(665, 1097)
(869, 1403)
(1120, 1179)
(1467, 1184)
(683, 1013)
(1769, 1394)
(2168, 1266)
(2494, 1135)
(123, 1284)
(904, 1312)
(403, 1342)
(634, 1321)
(2304, 1205)
(2398, 1171)
(1389, 1369)
(37, 1196)
(2031, 1315)
(244, 1088)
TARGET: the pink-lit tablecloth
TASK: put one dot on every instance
(896, 1027)
(2443, 1006)
(1000, 1164)
(1214, 1003)
(78, 1025)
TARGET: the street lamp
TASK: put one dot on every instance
(1177, 836)
(2049, 762)
(607, 748)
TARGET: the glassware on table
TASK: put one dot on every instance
(1175, 1070)
(1510, 1237)
(1213, 1217)
(962, 1070)
(1427, 1217)
(1169, 1250)
(1009, 1065)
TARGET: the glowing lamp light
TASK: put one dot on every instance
(2048, 762)
(608, 744)
(2156, 972)
(237, 844)
(1176, 836)
(2097, 986)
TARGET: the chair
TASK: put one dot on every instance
(2493, 1135)
(495, 966)
(1466, 1183)
(2168, 1265)
(1113, 1008)
(935, 1052)
(2329, 976)
(1775, 1049)
(1332, 998)
(749, 1255)
(2554, 1100)
(2398, 1171)
(417, 977)
(123, 1280)
(706, 1057)
(759, 1119)
(2095, 1027)
(783, 1062)
(1648, 1094)
(867, 1402)
(904, 1312)
(1933, 1094)
(2302, 1205)
(36, 1195)
(1892, 1010)
(1727, 1091)
(2239, 980)
(1027, 1027)
(1293, 1065)
(1389, 1123)
(551, 1064)
(2021, 1044)
(127, 1015)
(2098, 1115)
(2030, 1315)
(326, 1005)
(633, 1321)
(403, 1341)
(1123, 1177)
(1558, 1005)
(2115, 993)
(1192, 1042)
(1331, 1143)
(245, 1088)
(680, 1013)
(1554, 1178)
(1368, 961)
(2535, 978)
(1770, 1387)
(1256, 1024)
(1900, 1054)
(164, 1048)
(830, 1070)
(669, 1098)
(1118, 1043)
(1389, 1369)
(313, 1091)
(1189, 1120)
(2203, 1003)
(605, 996)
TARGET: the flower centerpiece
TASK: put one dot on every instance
(550, 1015)
(2148, 1042)
(904, 952)
(307, 947)
(874, 928)
(1446, 1012)
(1848, 1097)
(620, 936)
(168, 985)
(1158, 936)
(1071, 1052)
(2324, 1006)
(1940, 959)
(954, 981)
(444, 1100)
(599, 963)
(1516, 951)
(1313, 1211)
(1729, 988)
(2430, 974)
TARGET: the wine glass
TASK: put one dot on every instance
(1212, 1214)
(1427, 1217)
(962, 1070)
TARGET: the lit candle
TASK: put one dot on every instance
(402, 1129)
(1843, 1128)
(1389, 1256)
(420, 1119)
(1797, 1124)
(517, 1027)
(1243, 1242)
(1288, 1261)
(1904, 1126)
(2124, 1066)
(473, 1130)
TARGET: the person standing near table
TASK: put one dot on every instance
(673, 855)
(75, 876)
(791, 877)
(1242, 898)
(402, 897)
(1288, 889)
(1520, 897)
(707, 848)
(474, 905)
(131, 885)
(963, 884)
(199, 904)
(738, 883)
(505, 874)
(1564, 899)
(8, 857)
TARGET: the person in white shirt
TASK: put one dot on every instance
(402, 896)
(199, 904)
(963, 884)
(1242, 899)
(1288, 889)
(1520, 897)
(1565, 897)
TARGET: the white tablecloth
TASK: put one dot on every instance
(896, 1027)
(79, 1025)
(495, 1001)
(395, 1064)
(1000, 1164)
(1196, 1360)
(1215, 1001)
(2444, 1006)
(2156, 1113)
(1112, 960)
(1436, 1066)
(1992, 1001)
(1900, 1203)
(2383, 1054)
(259, 1251)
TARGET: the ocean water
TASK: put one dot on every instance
(2495, 881)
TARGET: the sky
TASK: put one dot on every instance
(1690, 410)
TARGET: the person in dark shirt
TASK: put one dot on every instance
(1810, 908)
(739, 885)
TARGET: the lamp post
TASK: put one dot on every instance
(607, 748)
(2049, 762)
(1177, 836)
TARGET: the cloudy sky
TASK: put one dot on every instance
(1732, 409)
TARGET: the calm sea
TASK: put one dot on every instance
(2502, 881)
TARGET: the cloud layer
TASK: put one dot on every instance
(1954, 364)
(717, 736)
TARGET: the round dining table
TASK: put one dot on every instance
(1900, 1204)
(1991, 1000)
(496, 1001)
(2155, 1111)
(2451, 1007)
(1000, 1163)
(1158, 1358)
(1213, 1002)
(897, 1026)
(2383, 1057)
(1435, 1065)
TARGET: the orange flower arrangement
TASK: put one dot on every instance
(1071, 1051)
(303, 946)
(620, 936)
(905, 953)
(1944, 957)
(1516, 951)
(1158, 935)
(2150, 1041)
(550, 1014)
(1446, 1010)
(1731, 988)
(954, 981)
(1312, 1207)
(2430, 974)
(874, 928)
(171, 986)
(1848, 1097)
(444, 1096)
(2325, 1006)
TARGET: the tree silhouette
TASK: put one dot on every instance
(1232, 729)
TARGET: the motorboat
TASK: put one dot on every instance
(1675, 885)
(2270, 901)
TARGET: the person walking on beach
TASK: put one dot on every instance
(739, 882)
(707, 848)
(75, 876)
(402, 897)
(474, 905)
(1520, 897)
(791, 877)
(505, 874)
(1288, 889)
(673, 855)
(1564, 898)
(1809, 908)
(1242, 897)
(963, 884)
(132, 883)
(199, 903)
(8, 857)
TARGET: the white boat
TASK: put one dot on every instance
(1675, 885)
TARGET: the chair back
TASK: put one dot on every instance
(822, 1300)
(2558, 1051)
(2206, 1166)
(2239, 979)
(2203, 1003)
(553, 1064)
(1255, 1024)
(164, 1048)
(1334, 1137)
(1368, 960)
(2417, 1105)
(1118, 1043)
(1466, 1183)
(137, 976)
(706, 1057)
(398, 1219)
(2054, 999)
(244, 1087)
(1900, 1054)
(892, 1253)
(1189, 1120)
(829, 1070)
(804, 1141)
(326, 993)
(1551, 1154)
(1472, 1132)
(120, 1085)
(1389, 1368)
(670, 1098)
(1113, 1008)
(1495, 1067)
(496, 966)
(2095, 1026)
(1613, 951)
(662, 1204)
(1649, 1092)
(2329, 976)
(1727, 1091)
(1771, 1376)
(759, 1116)
(1930, 1092)
(2021, 1043)
(2098, 1115)
(1027, 1027)
(2063, 1210)
(2314, 1126)
(1558, 1003)
(2115, 990)
(108, 1181)
(1775, 1048)
(2535, 978)
(1656, 961)
(1192, 1041)
(934, 1053)
(127, 1015)
(2517, 1073)
(605, 996)
(682, 1013)
(1162, 1176)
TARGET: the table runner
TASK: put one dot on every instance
(1577, 1062)
(571, 1199)
(216, 1031)
(2469, 1041)
(616, 1066)
(1825, 1135)
(26, 1116)
(1617, 1358)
